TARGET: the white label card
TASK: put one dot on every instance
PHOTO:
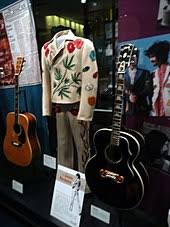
(100, 214)
(17, 186)
(49, 161)
(68, 196)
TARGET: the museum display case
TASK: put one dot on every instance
(120, 189)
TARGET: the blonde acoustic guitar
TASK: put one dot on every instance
(21, 142)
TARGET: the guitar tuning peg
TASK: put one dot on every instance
(125, 55)
(135, 50)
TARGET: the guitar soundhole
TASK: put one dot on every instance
(20, 132)
(113, 154)
(17, 129)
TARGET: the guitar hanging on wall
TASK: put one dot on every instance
(21, 143)
(115, 174)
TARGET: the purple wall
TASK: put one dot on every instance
(138, 19)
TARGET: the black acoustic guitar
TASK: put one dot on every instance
(115, 173)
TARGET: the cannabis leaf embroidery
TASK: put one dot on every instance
(68, 63)
(58, 74)
(65, 81)
(75, 78)
(64, 91)
(79, 90)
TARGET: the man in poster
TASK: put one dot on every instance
(158, 55)
(138, 89)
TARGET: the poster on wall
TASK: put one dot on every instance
(136, 22)
(18, 38)
(68, 196)
(163, 18)
(6, 61)
(147, 79)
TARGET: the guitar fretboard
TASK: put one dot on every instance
(16, 99)
(125, 57)
(118, 108)
(18, 69)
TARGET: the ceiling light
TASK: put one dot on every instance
(83, 1)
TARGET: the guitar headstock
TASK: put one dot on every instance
(19, 65)
(127, 55)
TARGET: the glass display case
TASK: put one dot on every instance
(27, 190)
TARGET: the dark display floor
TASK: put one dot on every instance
(8, 218)
(33, 206)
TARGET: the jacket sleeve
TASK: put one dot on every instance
(46, 84)
(89, 82)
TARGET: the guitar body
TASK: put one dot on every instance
(121, 184)
(141, 168)
(21, 143)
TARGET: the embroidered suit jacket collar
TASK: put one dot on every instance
(62, 36)
(57, 43)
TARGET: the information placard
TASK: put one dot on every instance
(68, 196)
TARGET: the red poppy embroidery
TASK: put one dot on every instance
(79, 43)
(46, 45)
(46, 52)
(95, 75)
(92, 101)
(70, 47)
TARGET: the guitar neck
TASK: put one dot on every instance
(127, 52)
(118, 109)
(16, 99)
(18, 69)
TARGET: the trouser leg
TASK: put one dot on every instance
(80, 132)
(64, 140)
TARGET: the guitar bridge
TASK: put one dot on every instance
(16, 144)
(114, 176)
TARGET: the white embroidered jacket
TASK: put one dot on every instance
(69, 73)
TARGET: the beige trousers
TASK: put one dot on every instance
(70, 129)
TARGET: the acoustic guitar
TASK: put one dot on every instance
(21, 143)
(115, 173)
